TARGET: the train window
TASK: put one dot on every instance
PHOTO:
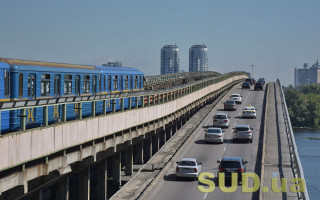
(135, 82)
(77, 84)
(109, 83)
(115, 82)
(94, 84)
(45, 84)
(121, 82)
(6, 83)
(126, 82)
(20, 85)
(86, 84)
(104, 82)
(67, 84)
(141, 82)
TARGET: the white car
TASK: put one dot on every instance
(214, 134)
(242, 132)
(221, 120)
(188, 168)
(237, 98)
(249, 112)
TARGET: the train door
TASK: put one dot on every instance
(57, 85)
(77, 85)
(31, 86)
(94, 84)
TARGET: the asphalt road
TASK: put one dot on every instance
(208, 154)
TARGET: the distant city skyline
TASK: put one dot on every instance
(275, 36)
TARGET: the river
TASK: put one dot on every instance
(308, 143)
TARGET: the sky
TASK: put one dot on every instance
(273, 35)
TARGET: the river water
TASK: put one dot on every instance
(308, 143)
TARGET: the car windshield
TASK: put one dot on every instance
(214, 131)
(220, 117)
(249, 79)
(235, 95)
(249, 108)
(242, 129)
(187, 163)
(230, 164)
(230, 102)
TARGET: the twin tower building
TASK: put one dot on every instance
(170, 62)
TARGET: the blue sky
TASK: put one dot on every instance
(274, 35)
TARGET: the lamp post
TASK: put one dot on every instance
(252, 71)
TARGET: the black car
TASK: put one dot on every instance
(258, 86)
(229, 165)
(246, 85)
(250, 80)
(262, 80)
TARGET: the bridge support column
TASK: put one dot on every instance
(37, 195)
(162, 137)
(139, 153)
(84, 183)
(63, 189)
(155, 142)
(116, 169)
(129, 161)
(102, 180)
(168, 131)
(147, 149)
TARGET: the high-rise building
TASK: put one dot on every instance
(170, 62)
(198, 60)
(307, 75)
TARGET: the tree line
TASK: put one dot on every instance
(304, 105)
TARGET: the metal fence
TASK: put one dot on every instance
(145, 99)
(297, 167)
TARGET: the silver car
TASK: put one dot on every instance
(242, 132)
(214, 134)
(188, 168)
(221, 120)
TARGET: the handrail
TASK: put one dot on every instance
(299, 173)
(153, 96)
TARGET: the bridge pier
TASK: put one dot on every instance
(138, 153)
(37, 195)
(147, 148)
(155, 142)
(102, 180)
(63, 188)
(84, 183)
(162, 137)
(129, 160)
(116, 169)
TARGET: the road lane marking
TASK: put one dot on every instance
(205, 195)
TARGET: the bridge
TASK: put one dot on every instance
(131, 153)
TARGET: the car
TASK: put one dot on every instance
(237, 98)
(258, 86)
(246, 85)
(262, 80)
(250, 80)
(229, 165)
(214, 134)
(249, 112)
(221, 120)
(188, 168)
(230, 105)
(242, 132)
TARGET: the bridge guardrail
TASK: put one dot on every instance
(298, 170)
(146, 98)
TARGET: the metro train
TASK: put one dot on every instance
(27, 80)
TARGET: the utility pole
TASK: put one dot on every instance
(252, 71)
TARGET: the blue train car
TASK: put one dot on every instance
(35, 80)
(4, 94)
(42, 80)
